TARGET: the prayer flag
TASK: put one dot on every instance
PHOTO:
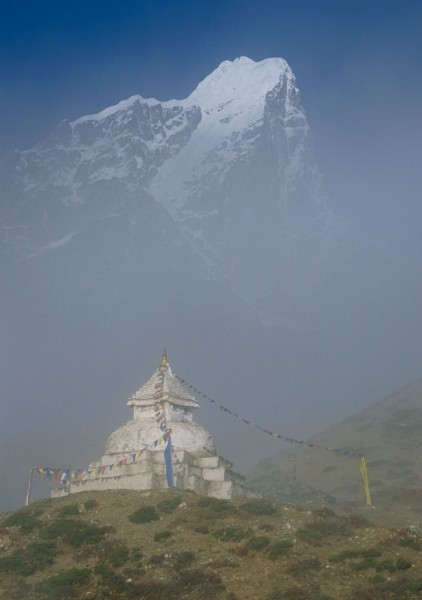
(169, 464)
(364, 474)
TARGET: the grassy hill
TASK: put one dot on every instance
(389, 433)
(155, 545)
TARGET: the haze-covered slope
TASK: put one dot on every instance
(388, 433)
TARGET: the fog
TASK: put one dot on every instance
(84, 326)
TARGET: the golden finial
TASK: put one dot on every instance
(164, 361)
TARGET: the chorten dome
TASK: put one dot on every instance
(161, 405)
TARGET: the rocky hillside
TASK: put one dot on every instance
(388, 433)
(154, 545)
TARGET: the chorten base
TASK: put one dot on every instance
(205, 474)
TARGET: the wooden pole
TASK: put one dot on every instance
(28, 495)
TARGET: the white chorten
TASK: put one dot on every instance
(160, 447)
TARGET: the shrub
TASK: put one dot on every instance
(344, 555)
(70, 510)
(70, 577)
(377, 578)
(35, 556)
(370, 553)
(184, 558)
(102, 570)
(403, 564)
(169, 504)
(366, 563)
(259, 542)
(358, 521)
(136, 554)
(15, 563)
(386, 565)
(75, 532)
(145, 514)
(415, 585)
(117, 584)
(280, 548)
(90, 504)
(162, 535)
(192, 578)
(331, 527)
(118, 555)
(412, 543)
(26, 521)
(63, 585)
(257, 507)
(202, 529)
(196, 583)
(308, 535)
(42, 554)
(156, 559)
(367, 555)
(215, 504)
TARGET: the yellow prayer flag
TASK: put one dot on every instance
(364, 474)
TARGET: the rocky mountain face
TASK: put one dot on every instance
(201, 225)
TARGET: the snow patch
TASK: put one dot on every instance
(56, 244)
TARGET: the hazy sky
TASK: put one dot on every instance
(358, 65)
(357, 62)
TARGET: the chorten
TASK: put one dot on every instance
(160, 447)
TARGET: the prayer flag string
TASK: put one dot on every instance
(65, 476)
(280, 436)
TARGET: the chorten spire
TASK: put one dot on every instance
(164, 361)
(163, 387)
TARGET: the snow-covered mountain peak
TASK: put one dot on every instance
(238, 146)
(242, 83)
(242, 79)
